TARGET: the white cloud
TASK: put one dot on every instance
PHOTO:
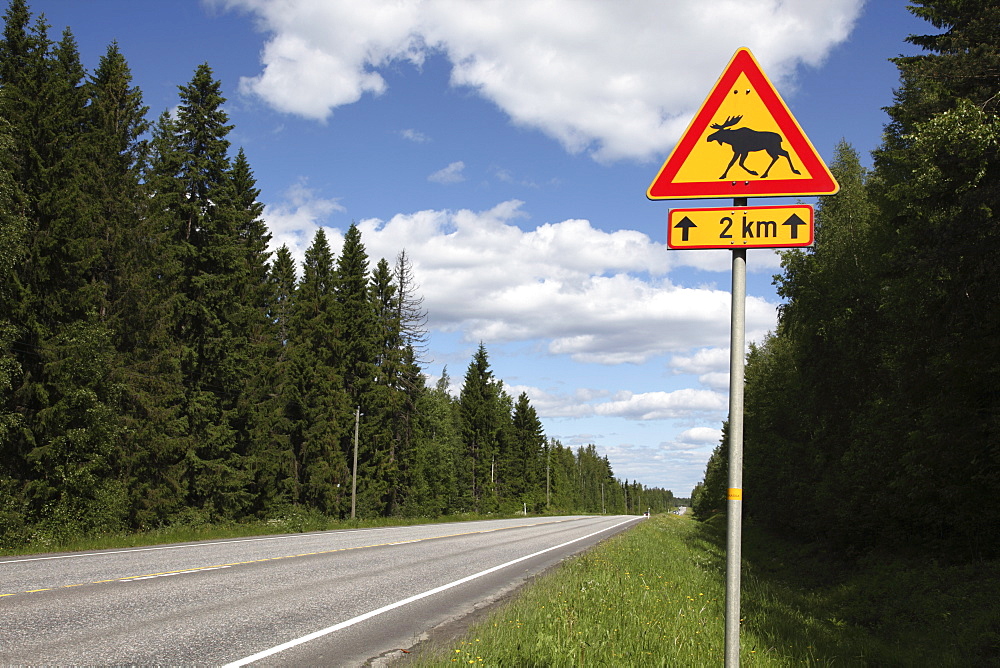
(599, 297)
(704, 360)
(663, 405)
(450, 174)
(716, 380)
(414, 136)
(700, 436)
(294, 221)
(664, 466)
(618, 81)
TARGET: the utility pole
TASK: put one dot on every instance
(354, 481)
(548, 452)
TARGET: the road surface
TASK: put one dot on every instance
(336, 598)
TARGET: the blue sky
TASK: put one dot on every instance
(507, 147)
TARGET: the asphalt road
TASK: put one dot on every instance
(336, 598)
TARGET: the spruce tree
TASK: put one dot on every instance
(480, 406)
(525, 465)
(429, 467)
(318, 408)
(387, 410)
(195, 199)
(12, 229)
(272, 458)
(257, 413)
(73, 420)
(358, 336)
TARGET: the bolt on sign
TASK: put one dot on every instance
(741, 227)
(743, 142)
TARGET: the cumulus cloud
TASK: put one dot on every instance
(663, 405)
(644, 406)
(596, 296)
(293, 220)
(699, 436)
(716, 380)
(704, 360)
(675, 468)
(587, 402)
(615, 81)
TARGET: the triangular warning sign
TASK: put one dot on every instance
(743, 142)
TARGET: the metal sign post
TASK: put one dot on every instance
(743, 96)
(734, 504)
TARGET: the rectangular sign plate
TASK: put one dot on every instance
(741, 227)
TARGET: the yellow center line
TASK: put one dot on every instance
(197, 569)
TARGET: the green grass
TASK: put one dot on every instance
(654, 596)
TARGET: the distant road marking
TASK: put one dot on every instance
(398, 604)
(168, 574)
(199, 569)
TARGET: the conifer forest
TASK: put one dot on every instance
(160, 365)
(873, 411)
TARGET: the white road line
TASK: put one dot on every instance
(398, 604)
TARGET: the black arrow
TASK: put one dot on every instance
(685, 225)
(795, 221)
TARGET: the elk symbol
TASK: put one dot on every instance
(745, 141)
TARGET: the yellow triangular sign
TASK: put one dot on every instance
(743, 142)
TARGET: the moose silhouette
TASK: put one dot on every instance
(745, 141)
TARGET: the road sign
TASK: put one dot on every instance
(741, 227)
(743, 142)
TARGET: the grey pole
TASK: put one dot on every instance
(354, 476)
(734, 504)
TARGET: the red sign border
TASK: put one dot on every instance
(743, 62)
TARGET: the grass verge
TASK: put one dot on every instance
(654, 596)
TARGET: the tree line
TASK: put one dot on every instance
(159, 364)
(873, 411)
